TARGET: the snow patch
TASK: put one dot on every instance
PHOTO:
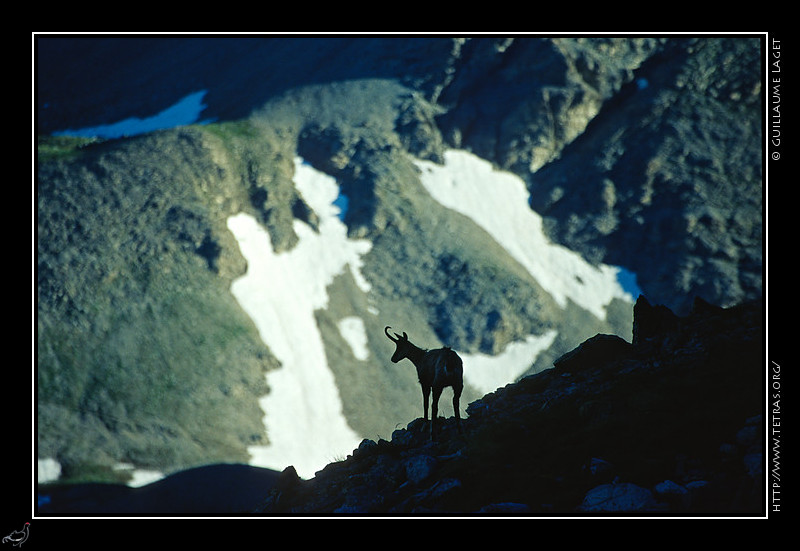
(139, 477)
(488, 373)
(47, 470)
(498, 201)
(354, 333)
(280, 292)
(186, 111)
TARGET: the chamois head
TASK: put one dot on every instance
(402, 345)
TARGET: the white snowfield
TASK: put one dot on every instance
(499, 202)
(353, 332)
(487, 373)
(280, 292)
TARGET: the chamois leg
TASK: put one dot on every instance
(456, 406)
(437, 392)
(426, 392)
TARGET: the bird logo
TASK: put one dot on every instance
(17, 537)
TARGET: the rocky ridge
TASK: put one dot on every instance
(669, 424)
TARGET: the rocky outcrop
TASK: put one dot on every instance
(657, 183)
(671, 425)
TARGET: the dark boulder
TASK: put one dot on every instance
(598, 349)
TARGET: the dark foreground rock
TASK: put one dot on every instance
(210, 490)
(670, 425)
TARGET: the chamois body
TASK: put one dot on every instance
(436, 369)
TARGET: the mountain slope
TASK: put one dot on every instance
(516, 305)
(614, 428)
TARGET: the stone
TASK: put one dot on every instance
(598, 349)
(668, 487)
(419, 468)
(650, 321)
(623, 497)
(696, 485)
(442, 487)
(365, 446)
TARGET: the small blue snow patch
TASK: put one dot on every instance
(342, 202)
(627, 281)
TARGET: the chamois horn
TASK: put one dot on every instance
(396, 336)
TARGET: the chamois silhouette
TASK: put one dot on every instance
(436, 369)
